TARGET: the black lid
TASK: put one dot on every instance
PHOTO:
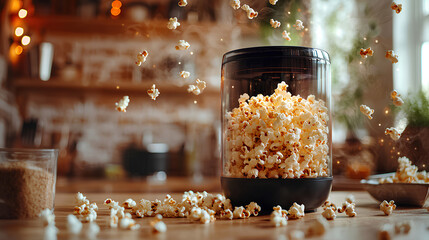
(275, 51)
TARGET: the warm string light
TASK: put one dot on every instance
(116, 8)
(22, 13)
(195, 102)
(117, 87)
(19, 31)
(18, 50)
(25, 40)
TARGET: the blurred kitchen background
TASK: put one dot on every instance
(64, 64)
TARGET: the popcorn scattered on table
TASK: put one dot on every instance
(295, 234)
(50, 232)
(396, 7)
(317, 227)
(385, 232)
(74, 226)
(351, 198)
(403, 227)
(185, 74)
(122, 105)
(296, 211)
(328, 204)
(298, 25)
(274, 23)
(141, 57)
(277, 136)
(173, 23)
(285, 35)
(240, 212)
(182, 3)
(92, 230)
(329, 213)
(198, 88)
(182, 45)
(348, 208)
(235, 4)
(86, 211)
(127, 222)
(390, 54)
(364, 53)
(153, 92)
(394, 133)
(396, 98)
(47, 216)
(406, 173)
(158, 226)
(253, 208)
(129, 203)
(116, 212)
(387, 207)
(366, 110)
(273, 2)
(277, 218)
(227, 214)
(250, 12)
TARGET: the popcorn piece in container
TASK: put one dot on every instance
(185, 74)
(387, 207)
(285, 35)
(364, 53)
(390, 54)
(129, 204)
(250, 12)
(122, 105)
(329, 213)
(182, 3)
(86, 211)
(298, 25)
(182, 45)
(277, 219)
(198, 88)
(396, 7)
(173, 23)
(158, 226)
(273, 2)
(47, 216)
(394, 133)
(317, 227)
(396, 98)
(141, 57)
(274, 23)
(74, 226)
(153, 92)
(296, 211)
(235, 4)
(367, 111)
(406, 173)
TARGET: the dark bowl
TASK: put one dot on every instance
(267, 193)
(404, 194)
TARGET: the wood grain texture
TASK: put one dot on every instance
(364, 226)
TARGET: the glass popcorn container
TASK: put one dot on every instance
(27, 182)
(276, 126)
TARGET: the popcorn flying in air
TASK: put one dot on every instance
(366, 110)
(298, 25)
(390, 54)
(185, 74)
(122, 105)
(182, 45)
(141, 57)
(273, 2)
(198, 88)
(235, 4)
(182, 3)
(274, 23)
(153, 92)
(285, 35)
(396, 7)
(173, 23)
(364, 53)
(394, 133)
(396, 98)
(250, 12)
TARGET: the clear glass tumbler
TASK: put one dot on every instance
(27, 182)
(276, 128)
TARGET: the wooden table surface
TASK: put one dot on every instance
(364, 226)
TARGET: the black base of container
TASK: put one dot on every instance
(267, 193)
